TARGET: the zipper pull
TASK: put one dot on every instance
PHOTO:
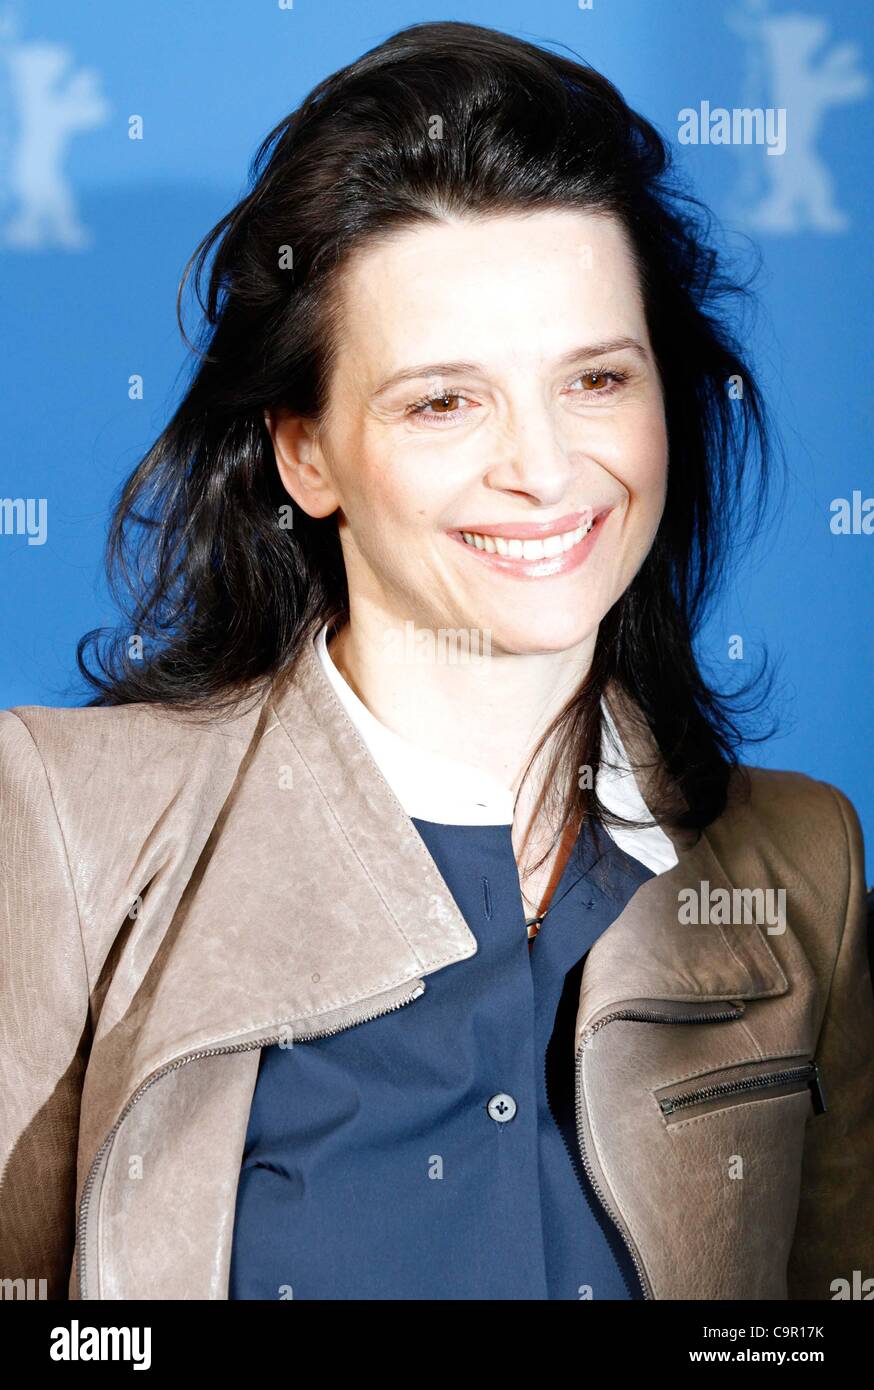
(815, 1084)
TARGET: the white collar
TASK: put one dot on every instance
(435, 788)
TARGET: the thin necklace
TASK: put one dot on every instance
(533, 924)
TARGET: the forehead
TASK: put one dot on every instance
(531, 284)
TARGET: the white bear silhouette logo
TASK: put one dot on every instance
(785, 55)
(50, 101)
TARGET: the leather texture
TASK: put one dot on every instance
(175, 894)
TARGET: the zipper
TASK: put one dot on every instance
(634, 1016)
(570, 1155)
(808, 1073)
(87, 1190)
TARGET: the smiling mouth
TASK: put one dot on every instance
(554, 548)
(515, 548)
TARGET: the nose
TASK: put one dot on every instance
(531, 455)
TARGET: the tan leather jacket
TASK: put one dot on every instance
(174, 897)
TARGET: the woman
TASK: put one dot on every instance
(422, 554)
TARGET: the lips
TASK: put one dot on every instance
(535, 550)
(519, 548)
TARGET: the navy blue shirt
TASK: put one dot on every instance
(372, 1167)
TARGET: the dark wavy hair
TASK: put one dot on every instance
(221, 596)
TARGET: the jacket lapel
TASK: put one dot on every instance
(314, 904)
(650, 951)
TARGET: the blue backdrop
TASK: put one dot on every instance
(95, 228)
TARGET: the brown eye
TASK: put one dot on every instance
(602, 383)
(441, 404)
(591, 379)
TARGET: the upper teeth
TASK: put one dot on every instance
(527, 550)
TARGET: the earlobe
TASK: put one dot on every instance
(302, 467)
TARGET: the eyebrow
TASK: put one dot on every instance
(445, 369)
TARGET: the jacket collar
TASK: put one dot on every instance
(648, 952)
(315, 904)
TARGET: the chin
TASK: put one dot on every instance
(540, 633)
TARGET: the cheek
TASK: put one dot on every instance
(390, 495)
(652, 480)
(401, 488)
(652, 487)
(645, 454)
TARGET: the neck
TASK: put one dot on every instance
(487, 710)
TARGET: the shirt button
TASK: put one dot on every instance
(502, 1107)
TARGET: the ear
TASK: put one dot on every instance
(301, 463)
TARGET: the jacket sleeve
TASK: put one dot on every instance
(44, 1024)
(834, 1234)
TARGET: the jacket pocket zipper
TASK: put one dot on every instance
(806, 1075)
(731, 1012)
(88, 1187)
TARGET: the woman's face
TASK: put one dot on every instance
(494, 379)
